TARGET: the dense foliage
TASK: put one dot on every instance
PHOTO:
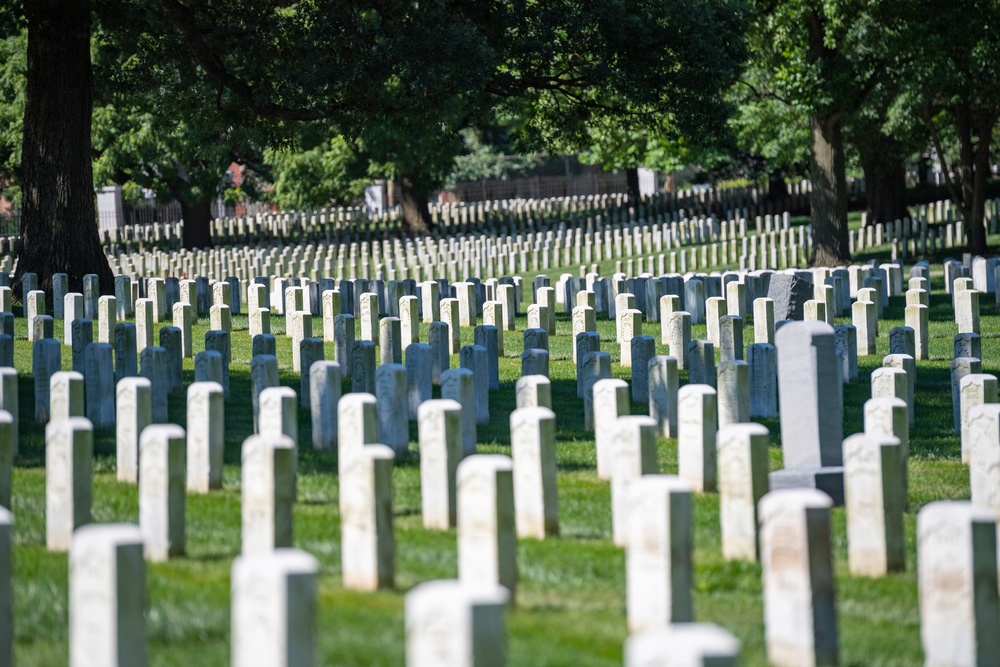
(317, 98)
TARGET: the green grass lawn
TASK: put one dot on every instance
(571, 597)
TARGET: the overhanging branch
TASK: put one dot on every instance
(215, 68)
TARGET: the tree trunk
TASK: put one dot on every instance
(974, 167)
(829, 193)
(197, 224)
(975, 227)
(416, 212)
(885, 182)
(924, 172)
(59, 222)
(976, 222)
(632, 183)
(777, 189)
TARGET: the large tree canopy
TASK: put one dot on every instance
(822, 59)
(199, 82)
(949, 57)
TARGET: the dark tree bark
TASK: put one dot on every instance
(829, 192)
(974, 128)
(777, 189)
(885, 180)
(632, 183)
(197, 224)
(416, 212)
(924, 172)
(59, 222)
(975, 134)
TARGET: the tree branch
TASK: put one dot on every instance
(766, 94)
(216, 69)
(936, 139)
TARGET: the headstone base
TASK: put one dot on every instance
(829, 480)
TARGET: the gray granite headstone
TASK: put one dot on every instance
(789, 294)
(810, 395)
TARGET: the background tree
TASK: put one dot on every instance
(318, 170)
(882, 160)
(654, 83)
(182, 160)
(417, 152)
(823, 59)
(403, 78)
(58, 216)
(160, 124)
(13, 63)
(773, 136)
(488, 154)
(950, 52)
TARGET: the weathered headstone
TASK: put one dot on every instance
(533, 450)
(663, 388)
(81, 335)
(533, 391)
(99, 385)
(961, 367)
(126, 357)
(811, 409)
(789, 294)
(440, 427)
(357, 424)
(474, 358)
(643, 349)
(107, 596)
(170, 340)
(66, 395)
(701, 363)
(487, 544)
(634, 456)
(393, 410)
(153, 366)
(273, 609)
(310, 351)
(974, 390)
(267, 493)
(458, 384)
(658, 570)
(133, 413)
(162, 471)
(363, 366)
(886, 418)
(584, 344)
(742, 481)
(324, 395)
(219, 341)
(733, 386)
(45, 362)
(908, 364)
(205, 436)
(680, 338)
(697, 409)
(69, 452)
(800, 618)
(865, 323)
(957, 583)
(452, 624)
(874, 498)
(611, 401)
(683, 645)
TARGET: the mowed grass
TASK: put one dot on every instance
(571, 597)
